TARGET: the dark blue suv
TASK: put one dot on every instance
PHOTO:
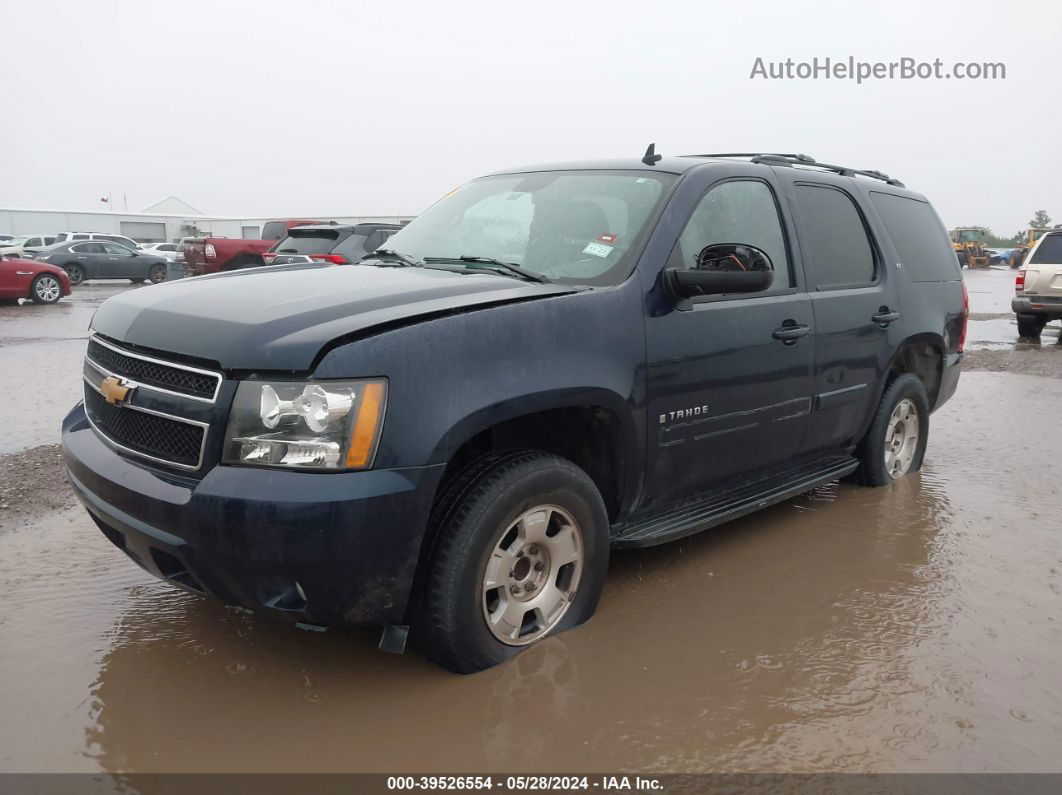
(447, 438)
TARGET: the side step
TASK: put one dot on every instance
(710, 510)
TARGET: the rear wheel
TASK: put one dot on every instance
(1030, 325)
(46, 289)
(895, 444)
(76, 274)
(521, 553)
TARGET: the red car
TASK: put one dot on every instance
(38, 281)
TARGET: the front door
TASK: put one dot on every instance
(121, 262)
(729, 380)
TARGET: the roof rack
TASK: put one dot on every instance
(776, 159)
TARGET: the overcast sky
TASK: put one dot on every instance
(319, 108)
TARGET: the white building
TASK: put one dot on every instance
(169, 221)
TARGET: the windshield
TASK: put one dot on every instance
(580, 227)
(969, 236)
(18, 241)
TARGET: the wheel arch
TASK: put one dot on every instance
(593, 427)
(921, 355)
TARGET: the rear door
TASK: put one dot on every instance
(854, 302)
(91, 257)
(1043, 270)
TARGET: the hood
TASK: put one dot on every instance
(279, 318)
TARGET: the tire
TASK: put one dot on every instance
(876, 466)
(46, 289)
(495, 520)
(1031, 326)
(157, 273)
(76, 274)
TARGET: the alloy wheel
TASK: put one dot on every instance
(901, 439)
(532, 575)
(47, 289)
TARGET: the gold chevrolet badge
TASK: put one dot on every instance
(113, 390)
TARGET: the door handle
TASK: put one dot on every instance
(790, 332)
(885, 316)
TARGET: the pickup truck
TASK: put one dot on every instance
(550, 362)
(204, 255)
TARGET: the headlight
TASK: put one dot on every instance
(306, 425)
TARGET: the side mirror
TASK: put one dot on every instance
(723, 268)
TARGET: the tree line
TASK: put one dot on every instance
(1040, 220)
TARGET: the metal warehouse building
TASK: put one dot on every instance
(166, 221)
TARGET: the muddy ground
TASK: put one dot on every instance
(913, 628)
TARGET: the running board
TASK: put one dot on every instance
(708, 511)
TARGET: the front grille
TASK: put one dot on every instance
(152, 373)
(147, 434)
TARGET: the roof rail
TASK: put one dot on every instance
(776, 159)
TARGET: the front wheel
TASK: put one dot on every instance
(157, 273)
(46, 289)
(521, 552)
(895, 444)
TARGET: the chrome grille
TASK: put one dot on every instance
(182, 379)
(161, 416)
(150, 435)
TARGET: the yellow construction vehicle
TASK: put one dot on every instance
(969, 245)
(1032, 234)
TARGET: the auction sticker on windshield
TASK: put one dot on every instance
(597, 249)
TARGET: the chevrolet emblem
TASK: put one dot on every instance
(114, 391)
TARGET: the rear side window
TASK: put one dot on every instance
(317, 241)
(837, 251)
(919, 237)
(1049, 252)
(353, 248)
(88, 248)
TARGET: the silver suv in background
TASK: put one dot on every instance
(1038, 287)
(22, 245)
(66, 237)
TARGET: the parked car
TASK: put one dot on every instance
(38, 281)
(278, 230)
(26, 244)
(204, 255)
(101, 259)
(545, 364)
(167, 250)
(66, 237)
(336, 244)
(4, 238)
(1038, 286)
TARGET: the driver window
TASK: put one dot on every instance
(738, 212)
(114, 248)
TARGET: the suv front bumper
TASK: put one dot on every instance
(320, 548)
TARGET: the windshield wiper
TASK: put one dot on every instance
(390, 255)
(509, 268)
